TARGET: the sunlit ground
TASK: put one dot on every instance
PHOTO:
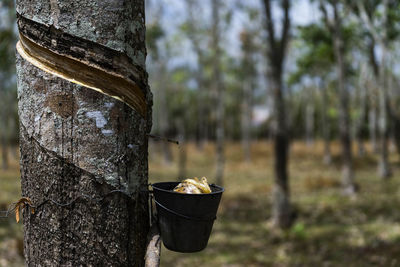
(331, 229)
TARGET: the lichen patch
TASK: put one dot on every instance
(99, 118)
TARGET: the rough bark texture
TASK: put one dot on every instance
(282, 214)
(75, 141)
(220, 94)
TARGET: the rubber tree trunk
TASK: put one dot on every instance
(372, 119)
(281, 210)
(75, 141)
(310, 122)
(195, 36)
(220, 94)
(246, 118)
(372, 92)
(282, 213)
(363, 107)
(344, 115)
(381, 37)
(384, 170)
(326, 127)
(250, 73)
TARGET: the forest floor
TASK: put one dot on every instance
(331, 228)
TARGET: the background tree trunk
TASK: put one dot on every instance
(326, 127)
(202, 95)
(310, 120)
(220, 94)
(75, 141)
(372, 120)
(384, 170)
(246, 119)
(249, 77)
(363, 107)
(282, 214)
(380, 36)
(334, 24)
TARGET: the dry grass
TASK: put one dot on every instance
(331, 230)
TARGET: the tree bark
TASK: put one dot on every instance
(220, 94)
(77, 143)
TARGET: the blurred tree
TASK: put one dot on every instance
(159, 59)
(196, 32)
(316, 61)
(379, 19)
(334, 23)
(219, 89)
(282, 213)
(8, 107)
(249, 73)
(309, 113)
(362, 95)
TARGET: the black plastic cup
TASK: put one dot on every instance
(185, 220)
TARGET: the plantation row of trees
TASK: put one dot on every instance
(240, 71)
(332, 77)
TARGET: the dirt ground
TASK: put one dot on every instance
(331, 228)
